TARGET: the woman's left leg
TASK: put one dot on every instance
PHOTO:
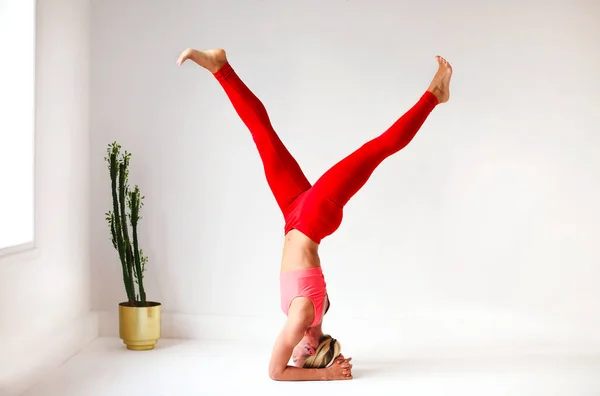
(345, 178)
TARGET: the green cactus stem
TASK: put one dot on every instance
(125, 213)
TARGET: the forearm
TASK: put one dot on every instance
(292, 373)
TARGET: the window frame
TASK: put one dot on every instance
(30, 247)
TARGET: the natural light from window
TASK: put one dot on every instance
(17, 37)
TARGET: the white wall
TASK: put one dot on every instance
(45, 293)
(481, 232)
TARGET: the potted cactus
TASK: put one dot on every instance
(139, 319)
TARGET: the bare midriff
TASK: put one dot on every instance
(299, 252)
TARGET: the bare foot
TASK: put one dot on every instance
(440, 86)
(211, 60)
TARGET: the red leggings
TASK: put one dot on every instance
(316, 210)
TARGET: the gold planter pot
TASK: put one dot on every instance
(139, 327)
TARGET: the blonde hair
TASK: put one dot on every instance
(329, 348)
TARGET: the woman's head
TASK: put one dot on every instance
(319, 356)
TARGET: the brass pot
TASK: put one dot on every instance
(139, 327)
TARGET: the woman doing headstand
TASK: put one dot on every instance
(311, 213)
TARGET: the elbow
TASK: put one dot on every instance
(276, 374)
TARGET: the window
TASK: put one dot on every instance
(17, 72)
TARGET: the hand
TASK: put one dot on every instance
(341, 369)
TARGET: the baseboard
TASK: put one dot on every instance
(31, 357)
(452, 335)
(204, 327)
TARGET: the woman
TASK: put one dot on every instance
(311, 213)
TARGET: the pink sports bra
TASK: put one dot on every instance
(309, 283)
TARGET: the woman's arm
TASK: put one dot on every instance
(300, 316)
(279, 370)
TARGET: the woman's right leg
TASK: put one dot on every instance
(283, 174)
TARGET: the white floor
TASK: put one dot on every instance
(186, 367)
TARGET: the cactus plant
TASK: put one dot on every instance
(122, 219)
